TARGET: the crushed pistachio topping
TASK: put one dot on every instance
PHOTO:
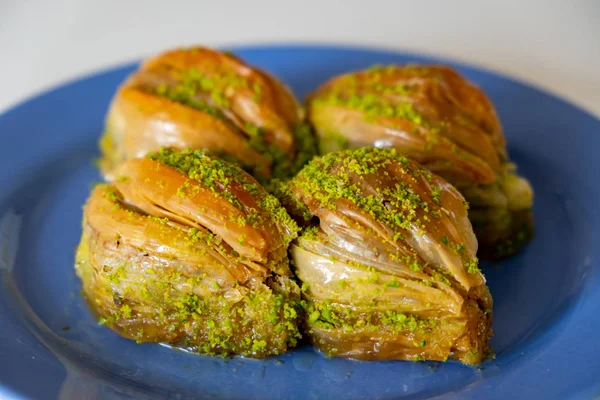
(265, 321)
(373, 106)
(185, 93)
(372, 93)
(343, 175)
(219, 176)
(195, 88)
(211, 94)
(328, 315)
(471, 264)
(356, 176)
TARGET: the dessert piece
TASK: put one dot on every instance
(205, 99)
(387, 260)
(438, 118)
(190, 250)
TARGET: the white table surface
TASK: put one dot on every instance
(553, 44)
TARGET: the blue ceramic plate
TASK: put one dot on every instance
(546, 299)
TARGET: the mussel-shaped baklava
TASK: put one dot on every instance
(387, 260)
(190, 250)
(435, 116)
(204, 99)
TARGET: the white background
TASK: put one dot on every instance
(552, 44)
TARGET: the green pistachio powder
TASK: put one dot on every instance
(399, 210)
(349, 92)
(193, 82)
(316, 180)
(373, 98)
